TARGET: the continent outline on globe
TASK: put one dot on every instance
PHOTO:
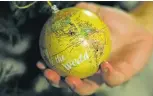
(81, 35)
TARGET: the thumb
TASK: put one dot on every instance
(112, 77)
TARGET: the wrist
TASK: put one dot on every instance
(144, 15)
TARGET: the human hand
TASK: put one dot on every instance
(131, 48)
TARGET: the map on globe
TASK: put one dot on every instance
(75, 42)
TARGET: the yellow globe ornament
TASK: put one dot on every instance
(75, 42)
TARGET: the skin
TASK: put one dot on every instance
(132, 46)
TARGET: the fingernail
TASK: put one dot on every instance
(40, 66)
(105, 70)
(56, 85)
(73, 82)
(52, 76)
(106, 67)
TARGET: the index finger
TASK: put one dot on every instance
(89, 6)
(100, 10)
